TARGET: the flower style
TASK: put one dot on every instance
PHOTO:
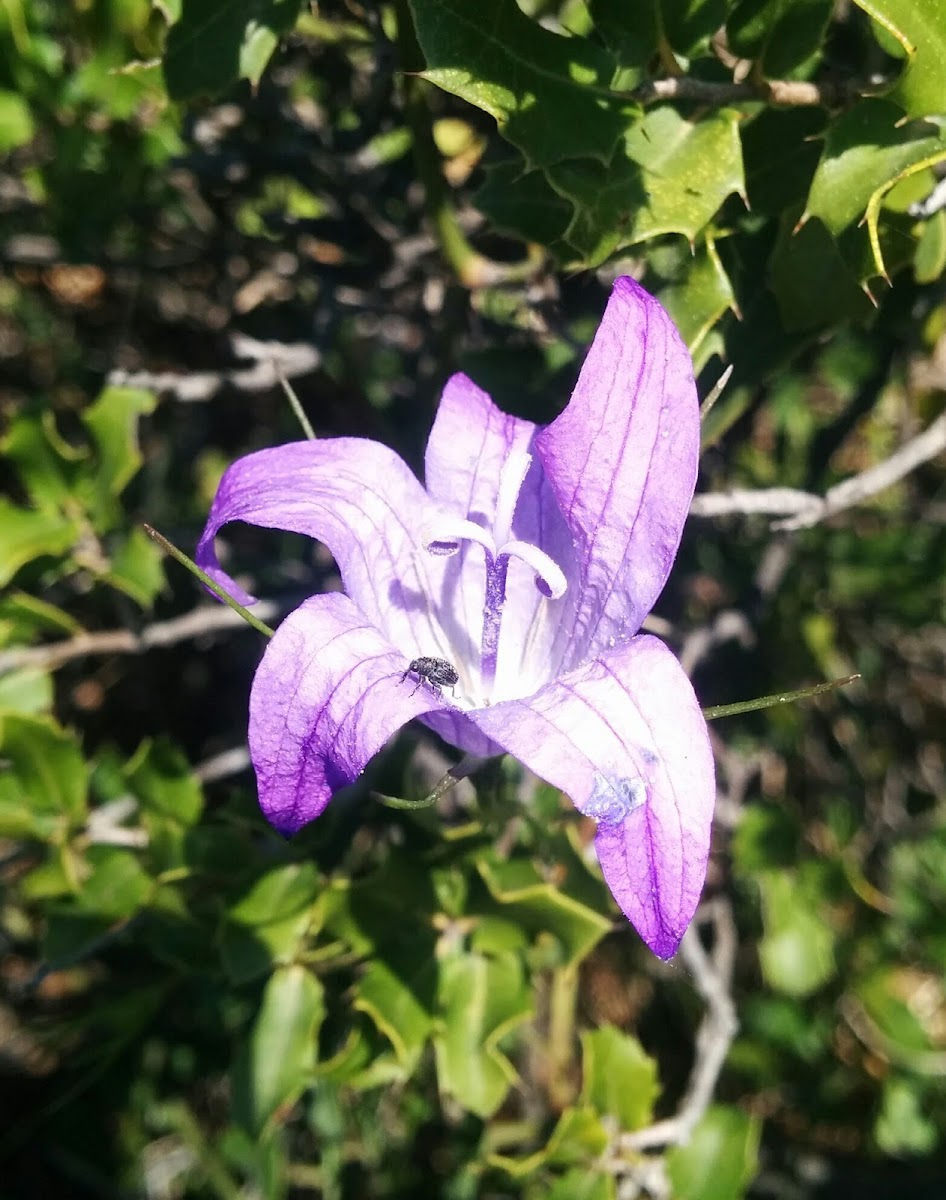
(527, 564)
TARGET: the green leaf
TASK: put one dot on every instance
(540, 908)
(117, 886)
(480, 1000)
(813, 285)
(26, 535)
(160, 776)
(29, 616)
(620, 1079)
(902, 1126)
(720, 1159)
(523, 203)
(919, 27)
(16, 121)
(171, 801)
(697, 302)
(901, 1029)
(397, 998)
(217, 42)
(797, 948)
(582, 1185)
(863, 150)
(43, 460)
(44, 781)
(781, 148)
(112, 422)
(549, 94)
(781, 35)
(29, 690)
(137, 568)
(268, 924)
(276, 1061)
(633, 32)
(579, 1137)
(669, 175)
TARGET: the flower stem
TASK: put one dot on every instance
(218, 591)
(744, 706)
(563, 999)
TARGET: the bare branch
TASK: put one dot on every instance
(206, 619)
(935, 201)
(792, 93)
(804, 509)
(272, 362)
(712, 978)
(852, 491)
(769, 502)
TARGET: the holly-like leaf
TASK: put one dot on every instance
(530, 902)
(781, 35)
(550, 95)
(698, 301)
(112, 422)
(813, 285)
(670, 175)
(480, 1000)
(26, 535)
(633, 32)
(620, 1079)
(522, 202)
(864, 149)
(44, 780)
(918, 27)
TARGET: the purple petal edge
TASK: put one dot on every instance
(624, 737)
(326, 697)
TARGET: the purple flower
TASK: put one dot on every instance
(528, 564)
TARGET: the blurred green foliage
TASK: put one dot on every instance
(443, 1002)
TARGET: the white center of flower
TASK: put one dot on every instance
(445, 535)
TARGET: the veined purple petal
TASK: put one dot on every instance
(622, 460)
(326, 697)
(470, 444)
(624, 737)
(365, 504)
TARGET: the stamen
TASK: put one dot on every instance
(496, 570)
(549, 576)
(511, 479)
(445, 535)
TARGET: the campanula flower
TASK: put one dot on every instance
(526, 562)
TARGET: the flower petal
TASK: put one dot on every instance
(470, 444)
(365, 504)
(624, 737)
(326, 697)
(622, 460)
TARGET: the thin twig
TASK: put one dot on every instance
(272, 361)
(715, 392)
(852, 491)
(206, 619)
(804, 509)
(792, 93)
(712, 978)
(746, 502)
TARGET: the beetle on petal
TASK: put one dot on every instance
(436, 672)
(527, 563)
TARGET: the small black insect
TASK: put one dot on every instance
(435, 671)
